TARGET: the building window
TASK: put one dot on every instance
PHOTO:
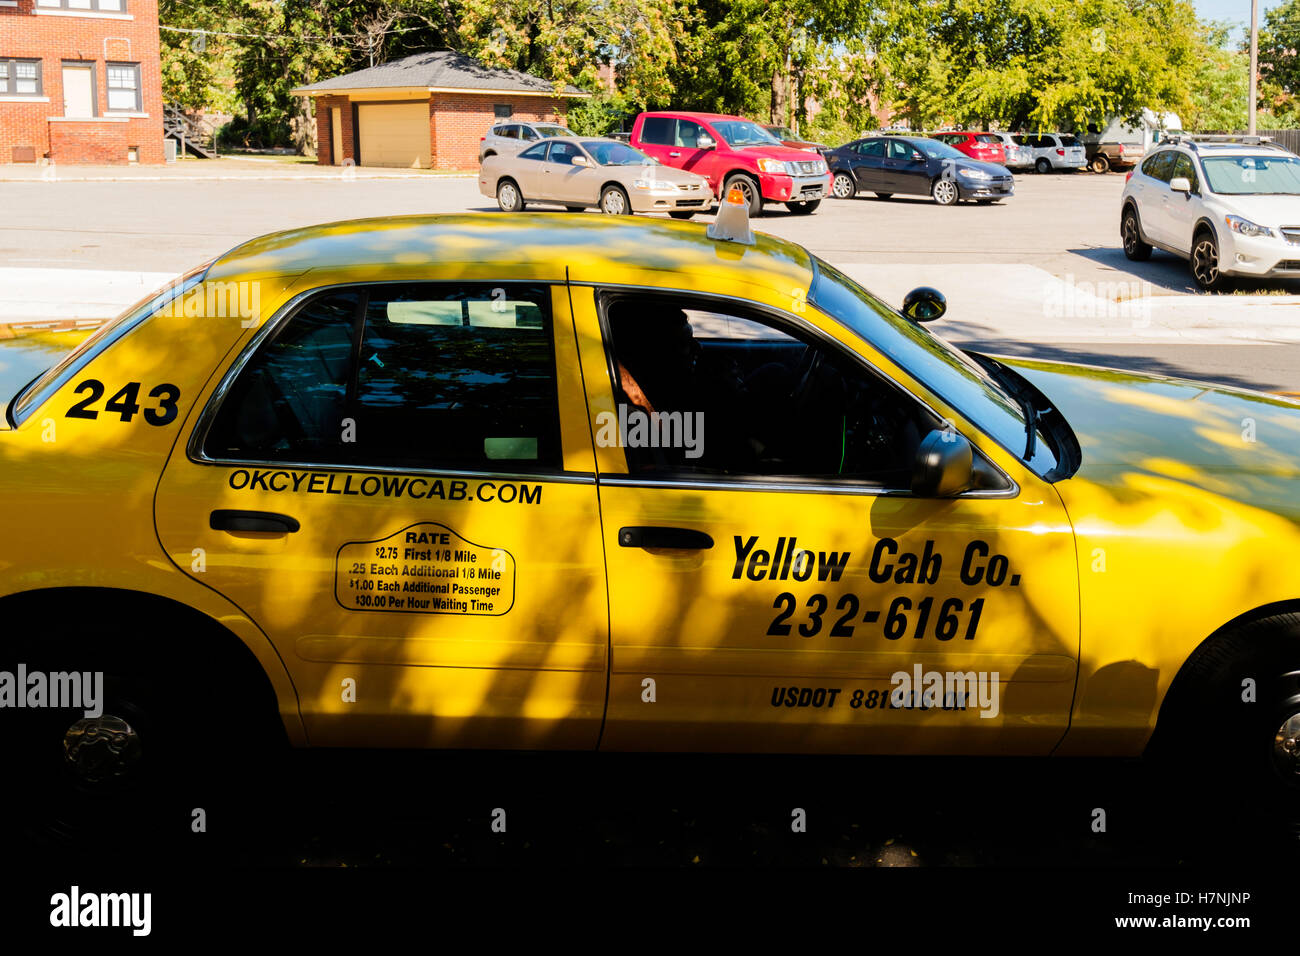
(102, 6)
(124, 87)
(20, 77)
(502, 111)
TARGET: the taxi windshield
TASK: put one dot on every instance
(617, 154)
(941, 367)
(744, 133)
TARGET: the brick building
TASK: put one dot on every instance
(425, 111)
(80, 81)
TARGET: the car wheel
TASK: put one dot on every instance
(1100, 164)
(1232, 716)
(843, 187)
(167, 727)
(884, 195)
(681, 213)
(805, 207)
(749, 189)
(509, 198)
(1131, 234)
(1043, 165)
(614, 201)
(945, 192)
(1205, 262)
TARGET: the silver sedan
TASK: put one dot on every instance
(579, 172)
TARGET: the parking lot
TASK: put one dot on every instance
(1042, 272)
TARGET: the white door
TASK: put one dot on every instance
(394, 134)
(336, 135)
(78, 91)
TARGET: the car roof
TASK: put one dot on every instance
(689, 114)
(540, 247)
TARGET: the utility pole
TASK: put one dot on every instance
(1254, 62)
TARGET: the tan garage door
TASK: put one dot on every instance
(394, 134)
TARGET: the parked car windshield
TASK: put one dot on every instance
(744, 133)
(937, 150)
(782, 132)
(618, 154)
(1253, 175)
(941, 367)
(548, 130)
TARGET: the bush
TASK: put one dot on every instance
(261, 133)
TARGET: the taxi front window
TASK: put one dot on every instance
(941, 367)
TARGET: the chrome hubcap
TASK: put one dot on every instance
(843, 188)
(944, 191)
(1286, 746)
(1206, 262)
(101, 748)
(614, 203)
(508, 196)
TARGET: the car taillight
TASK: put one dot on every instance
(481, 138)
(1130, 175)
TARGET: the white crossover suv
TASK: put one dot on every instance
(1230, 206)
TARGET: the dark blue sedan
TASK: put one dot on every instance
(915, 166)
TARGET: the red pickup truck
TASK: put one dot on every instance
(733, 151)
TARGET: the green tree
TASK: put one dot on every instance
(1221, 85)
(1031, 64)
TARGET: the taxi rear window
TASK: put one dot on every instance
(412, 375)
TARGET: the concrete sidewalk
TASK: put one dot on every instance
(230, 167)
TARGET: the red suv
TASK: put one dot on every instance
(984, 146)
(733, 151)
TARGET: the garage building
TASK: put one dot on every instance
(425, 111)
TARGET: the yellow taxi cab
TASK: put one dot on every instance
(625, 484)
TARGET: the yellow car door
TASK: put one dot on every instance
(774, 584)
(395, 481)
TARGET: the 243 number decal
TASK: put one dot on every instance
(943, 621)
(125, 402)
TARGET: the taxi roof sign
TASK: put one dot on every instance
(732, 222)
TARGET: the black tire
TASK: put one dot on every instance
(1100, 164)
(945, 192)
(843, 186)
(1043, 164)
(749, 189)
(803, 208)
(681, 213)
(1204, 262)
(884, 195)
(614, 201)
(509, 197)
(1209, 732)
(1130, 234)
(181, 728)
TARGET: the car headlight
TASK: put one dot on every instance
(657, 185)
(970, 173)
(774, 166)
(1246, 227)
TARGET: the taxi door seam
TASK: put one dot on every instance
(604, 555)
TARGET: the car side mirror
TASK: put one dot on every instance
(579, 160)
(917, 157)
(924, 304)
(945, 465)
(705, 142)
(1180, 184)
